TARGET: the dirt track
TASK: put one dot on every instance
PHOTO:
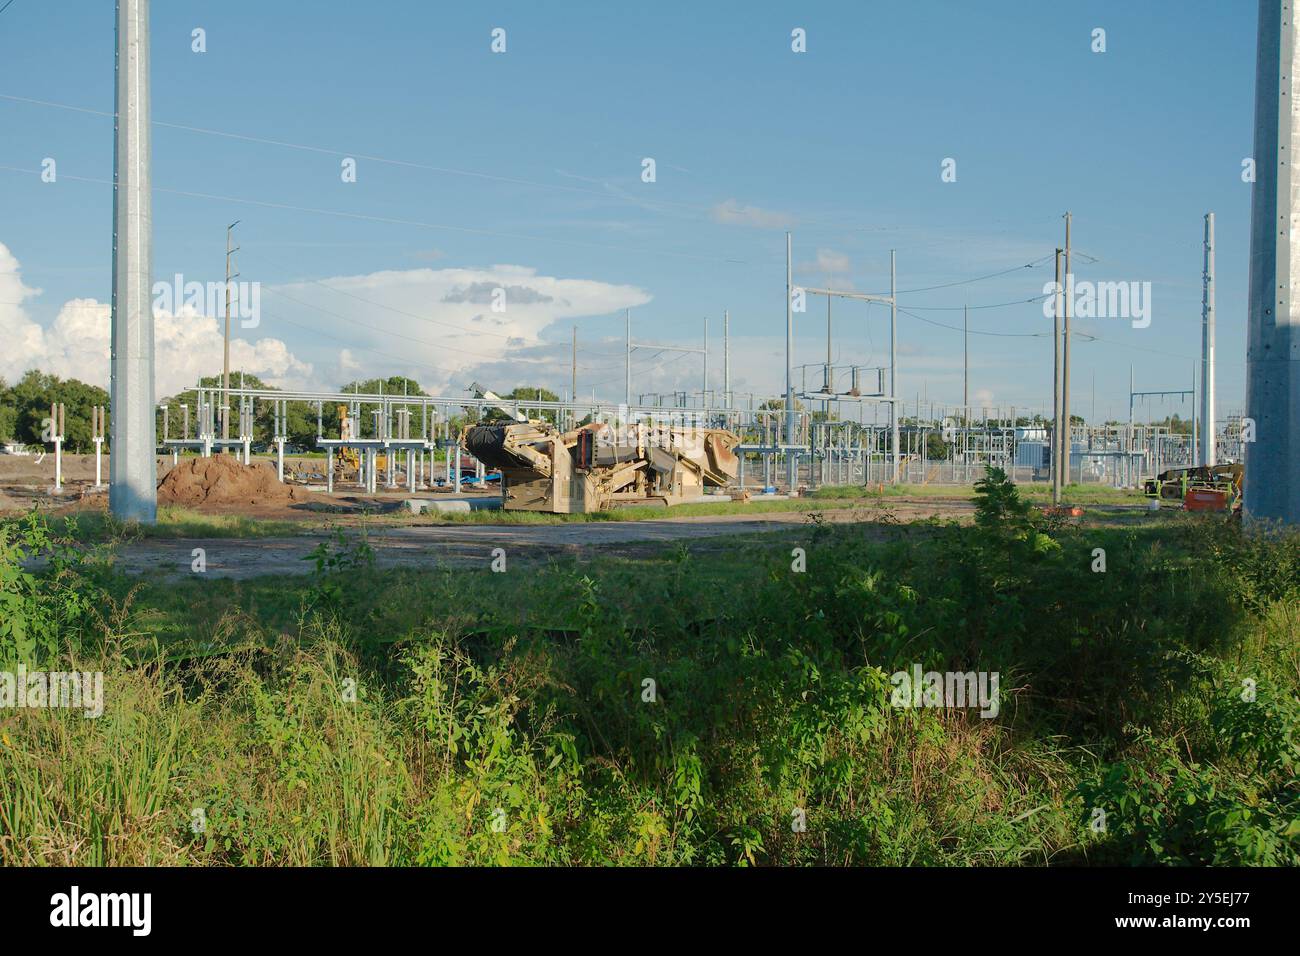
(467, 545)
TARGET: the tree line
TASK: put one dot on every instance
(25, 406)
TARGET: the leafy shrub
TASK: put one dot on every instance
(42, 613)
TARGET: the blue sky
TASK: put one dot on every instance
(523, 169)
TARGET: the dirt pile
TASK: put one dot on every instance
(223, 479)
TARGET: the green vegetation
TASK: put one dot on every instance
(1040, 492)
(177, 521)
(453, 717)
(25, 406)
(723, 506)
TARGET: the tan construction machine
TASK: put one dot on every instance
(599, 466)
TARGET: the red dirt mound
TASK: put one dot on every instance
(223, 479)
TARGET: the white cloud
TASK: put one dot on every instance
(730, 212)
(438, 326)
(76, 343)
(828, 260)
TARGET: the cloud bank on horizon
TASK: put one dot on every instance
(449, 325)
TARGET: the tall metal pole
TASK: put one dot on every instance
(789, 368)
(704, 391)
(132, 491)
(627, 380)
(225, 364)
(1056, 387)
(726, 358)
(893, 358)
(965, 365)
(1065, 362)
(573, 387)
(1208, 454)
(1273, 338)
(826, 379)
(1128, 447)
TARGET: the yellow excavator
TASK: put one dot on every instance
(347, 461)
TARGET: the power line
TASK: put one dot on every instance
(611, 192)
(1033, 335)
(380, 305)
(406, 360)
(958, 328)
(972, 308)
(382, 331)
(388, 220)
(330, 151)
(991, 275)
(1127, 345)
(436, 345)
(677, 358)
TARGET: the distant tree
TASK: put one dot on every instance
(300, 417)
(1175, 424)
(534, 393)
(8, 412)
(27, 405)
(393, 385)
(189, 398)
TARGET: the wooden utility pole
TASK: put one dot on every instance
(225, 364)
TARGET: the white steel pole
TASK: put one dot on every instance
(1208, 453)
(132, 491)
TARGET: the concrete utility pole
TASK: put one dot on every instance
(1056, 388)
(1273, 342)
(627, 378)
(1065, 363)
(1208, 451)
(573, 388)
(225, 364)
(132, 493)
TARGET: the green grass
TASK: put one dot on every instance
(1072, 494)
(452, 716)
(175, 521)
(645, 512)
